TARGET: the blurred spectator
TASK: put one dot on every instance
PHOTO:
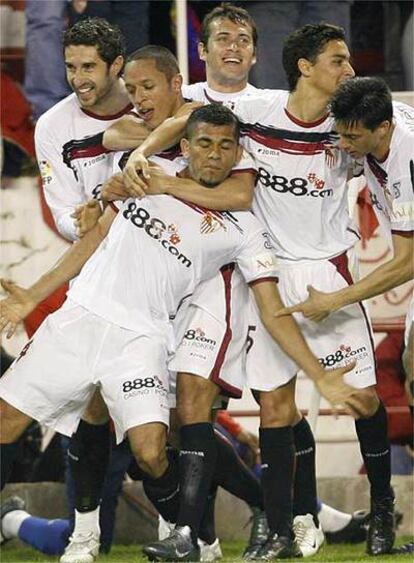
(130, 15)
(45, 80)
(275, 20)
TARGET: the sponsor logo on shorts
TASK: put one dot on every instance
(143, 386)
(344, 354)
(196, 338)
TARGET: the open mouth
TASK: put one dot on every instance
(84, 91)
(231, 61)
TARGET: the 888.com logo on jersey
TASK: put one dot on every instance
(311, 186)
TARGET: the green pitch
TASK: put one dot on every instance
(231, 551)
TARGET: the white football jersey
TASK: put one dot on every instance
(201, 92)
(157, 251)
(72, 160)
(301, 191)
(391, 181)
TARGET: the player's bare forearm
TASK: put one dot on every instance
(393, 273)
(287, 333)
(73, 260)
(127, 133)
(164, 136)
(234, 194)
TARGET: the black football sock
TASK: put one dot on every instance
(375, 449)
(278, 458)
(8, 454)
(88, 456)
(232, 474)
(207, 530)
(164, 491)
(197, 462)
(304, 489)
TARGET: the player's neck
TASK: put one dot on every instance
(113, 102)
(307, 106)
(225, 87)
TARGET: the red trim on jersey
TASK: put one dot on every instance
(226, 272)
(113, 206)
(261, 280)
(406, 234)
(341, 264)
(126, 109)
(306, 123)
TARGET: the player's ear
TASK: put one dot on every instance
(239, 154)
(304, 66)
(202, 51)
(185, 147)
(117, 65)
(176, 83)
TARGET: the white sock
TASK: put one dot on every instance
(11, 522)
(86, 522)
(333, 520)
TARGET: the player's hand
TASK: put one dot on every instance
(114, 189)
(158, 180)
(316, 307)
(86, 216)
(15, 307)
(333, 387)
(136, 175)
(187, 109)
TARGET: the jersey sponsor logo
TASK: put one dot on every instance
(268, 152)
(45, 172)
(143, 386)
(166, 235)
(211, 223)
(196, 338)
(89, 147)
(345, 354)
(295, 186)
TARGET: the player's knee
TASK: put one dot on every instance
(12, 423)
(278, 408)
(151, 458)
(96, 412)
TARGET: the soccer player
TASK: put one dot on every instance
(301, 198)
(372, 127)
(110, 309)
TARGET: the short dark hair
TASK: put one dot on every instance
(99, 33)
(164, 60)
(229, 12)
(307, 42)
(366, 100)
(214, 114)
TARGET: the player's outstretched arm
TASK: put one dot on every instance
(393, 273)
(125, 134)
(289, 337)
(20, 302)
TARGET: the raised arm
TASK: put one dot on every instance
(21, 302)
(393, 273)
(127, 133)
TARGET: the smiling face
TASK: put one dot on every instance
(212, 151)
(331, 67)
(229, 54)
(90, 77)
(154, 96)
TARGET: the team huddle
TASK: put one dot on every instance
(200, 216)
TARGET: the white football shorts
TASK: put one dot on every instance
(344, 336)
(74, 352)
(214, 332)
